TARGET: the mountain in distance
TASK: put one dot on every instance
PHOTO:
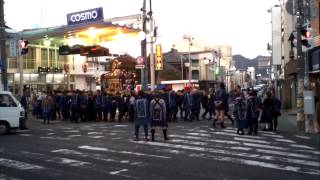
(261, 63)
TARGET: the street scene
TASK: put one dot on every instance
(194, 151)
(144, 89)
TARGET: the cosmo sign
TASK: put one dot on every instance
(85, 16)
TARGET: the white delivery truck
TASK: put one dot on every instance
(11, 113)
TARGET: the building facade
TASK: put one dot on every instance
(46, 68)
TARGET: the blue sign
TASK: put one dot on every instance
(85, 16)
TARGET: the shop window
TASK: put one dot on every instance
(195, 62)
(53, 54)
(195, 74)
(44, 58)
(12, 63)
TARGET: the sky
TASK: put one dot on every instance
(243, 24)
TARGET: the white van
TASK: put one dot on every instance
(11, 112)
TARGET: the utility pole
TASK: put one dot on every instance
(152, 68)
(144, 71)
(300, 71)
(4, 78)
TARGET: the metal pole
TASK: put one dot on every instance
(21, 74)
(190, 65)
(181, 67)
(144, 46)
(4, 76)
(152, 68)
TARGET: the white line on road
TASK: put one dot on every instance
(95, 156)
(117, 172)
(301, 146)
(251, 140)
(241, 155)
(302, 137)
(27, 135)
(122, 152)
(58, 160)
(19, 165)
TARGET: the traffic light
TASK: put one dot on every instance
(159, 62)
(24, 46)
(305, 37)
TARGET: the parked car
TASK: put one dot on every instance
(11, 113)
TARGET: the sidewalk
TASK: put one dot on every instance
(288, 123)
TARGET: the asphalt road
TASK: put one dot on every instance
(195, 151)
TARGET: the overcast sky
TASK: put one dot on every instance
(243, 24)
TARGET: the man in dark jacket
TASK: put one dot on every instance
(196, 97)
(24, 103)
(75, 107)
(187, 105)
(97, 104)
(221, 103)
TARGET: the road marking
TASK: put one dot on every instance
(287, 154)
(241, 154)
(264, 146)
(121, 125)
(96, 137)
(121, 152)
(56, 138)
(302, 137)
(301, 146)
(58, 160)
(118, 172)
(75, 135)
(72, 131)
(260, 146)
(272, 135)
(285, 140)
(251, 140)
(199, 134)
(237, 135)
(19, 165)
(27, 135)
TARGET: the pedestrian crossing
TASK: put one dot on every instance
(73, 157)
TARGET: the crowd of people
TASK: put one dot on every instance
(157, 108)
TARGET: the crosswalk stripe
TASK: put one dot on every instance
(301, 146)
(19, 165)
(58, 160)
(231, 134)
(251, 140)
(240, 155)
(96, 157)
(121, 152)
(245, 142)
(287, 154)
(285, 140)
(282, 153)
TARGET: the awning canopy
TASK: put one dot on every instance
(87, 33)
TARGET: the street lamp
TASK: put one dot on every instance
(189, 38)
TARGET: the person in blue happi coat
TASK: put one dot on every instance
(239, 113)
(141, 109)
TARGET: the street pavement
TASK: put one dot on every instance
(98, 150)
